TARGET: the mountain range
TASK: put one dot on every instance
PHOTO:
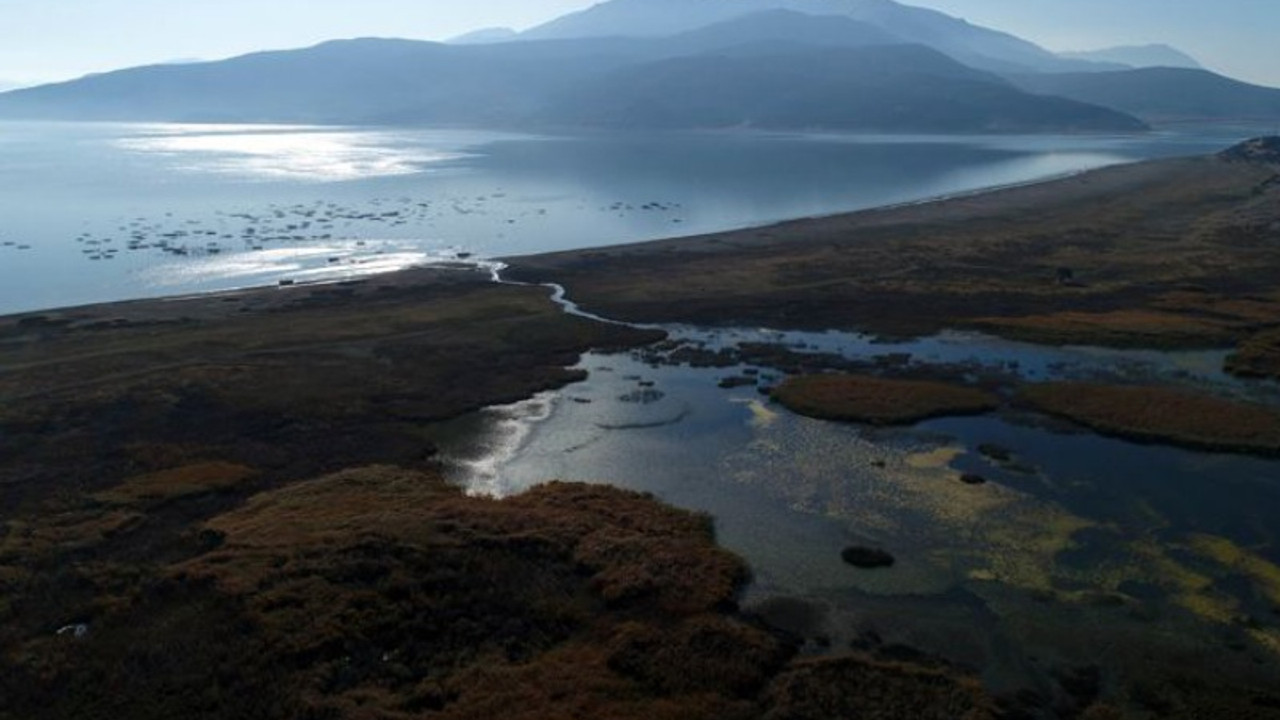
(677, 64)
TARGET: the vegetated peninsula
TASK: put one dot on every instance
(878, 401)
(227, 506)
(1162, 414)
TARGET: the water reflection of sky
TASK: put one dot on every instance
(303, 264)
(127, 186)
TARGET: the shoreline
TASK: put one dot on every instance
(924, 201)
(488, 263)
(1109, 250)
(264, 458)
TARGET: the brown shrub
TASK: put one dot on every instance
(178, 482)
(1178, 416)
(392, 591)
(863, 398)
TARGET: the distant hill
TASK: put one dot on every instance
(1163, 94)
(485, 35)
(971, 44)
(775, 69)
(904, 88)
(1139, 56)
(348, 81)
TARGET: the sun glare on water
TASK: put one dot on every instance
(286, 152)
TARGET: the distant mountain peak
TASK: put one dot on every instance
(1139, 56)
(974, 45)
(780, 25)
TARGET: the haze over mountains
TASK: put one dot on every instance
(676, 64)
(1138, 56)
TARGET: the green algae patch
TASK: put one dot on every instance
(1241, 560)
(1162, 414)
(878, 401)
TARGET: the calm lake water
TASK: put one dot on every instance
(97, 212)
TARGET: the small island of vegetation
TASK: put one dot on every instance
(878, 401)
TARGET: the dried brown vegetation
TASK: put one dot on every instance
(1162, 414)
(1174, 253)
(289, 383)
(878, 401)
(227, 508)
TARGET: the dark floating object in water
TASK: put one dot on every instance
(866, 558)
(973, 479)
(647, 396)
(286, 283)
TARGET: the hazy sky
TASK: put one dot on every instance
(53, 39)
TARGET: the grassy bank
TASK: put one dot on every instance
(1172, 253)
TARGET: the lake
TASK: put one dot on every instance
(99, 212)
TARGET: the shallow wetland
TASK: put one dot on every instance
(292, 462)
